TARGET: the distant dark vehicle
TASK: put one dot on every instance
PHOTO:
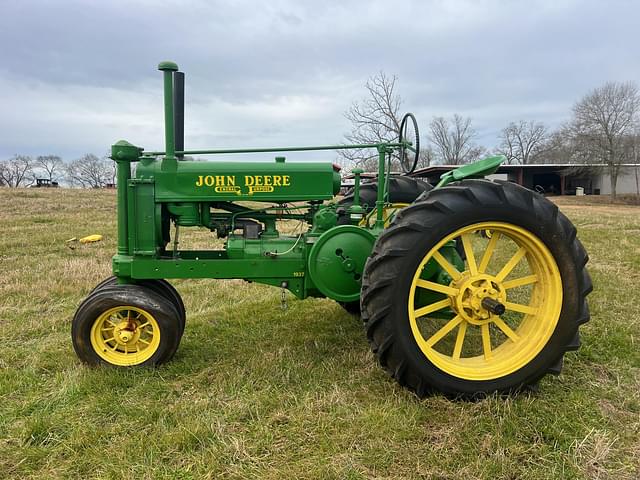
(45, 183)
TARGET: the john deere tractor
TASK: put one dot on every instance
(467, 287)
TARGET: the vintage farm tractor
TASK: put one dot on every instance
(468, 287)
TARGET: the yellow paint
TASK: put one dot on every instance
(229, 189)
(259, 188)
(253, 183)
(91, 239)
(388, 213)
(125, 336)
(521, 344)
(267, 180)
(216, 180)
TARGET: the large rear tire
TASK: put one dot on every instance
(401, 190)
(497, 325)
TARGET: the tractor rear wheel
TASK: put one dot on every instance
(125, 325)
(402, 190)
(161, 286)
(497, 320)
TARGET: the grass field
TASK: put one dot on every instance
(257, 392)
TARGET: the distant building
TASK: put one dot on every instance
(559, 179)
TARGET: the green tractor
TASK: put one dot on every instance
(468, 287)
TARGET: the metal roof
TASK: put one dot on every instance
(433, 169)
(436, 169)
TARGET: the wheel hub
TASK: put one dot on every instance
(126, 333)
(479, 297)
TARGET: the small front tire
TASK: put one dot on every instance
(125, 325)
(160, 286)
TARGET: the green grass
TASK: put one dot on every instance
(257, 392)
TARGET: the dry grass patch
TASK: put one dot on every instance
(257, 392)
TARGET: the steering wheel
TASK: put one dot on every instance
(410, 143)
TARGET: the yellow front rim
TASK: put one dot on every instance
(125, 336)
(512, 267)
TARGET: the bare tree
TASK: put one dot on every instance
(89, 171)
(51, 165)
(426, 157)
(111, 171)
(520, 142)
(453, 139)
(559, 146)
(374, 119)
(17, 171)
(603, 121)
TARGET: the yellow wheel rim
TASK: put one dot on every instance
(388, 213)
(125, 336)
(513, 268)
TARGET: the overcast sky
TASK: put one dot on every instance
(75, 76)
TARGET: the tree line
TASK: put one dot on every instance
(88, 171)
(603, 129)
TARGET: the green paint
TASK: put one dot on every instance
(169, 129)
(478, 169)
(165, 193)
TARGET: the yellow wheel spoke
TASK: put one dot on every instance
(444, 263)
(433, 307)
(142, 343)
(440, 334)
(457, 350)
(468, 251)
(437, 287)
(511, 264)
(506, 329)
(491, 246)
(454, 330)
(519, 282)
(486, 341)
(516, 307)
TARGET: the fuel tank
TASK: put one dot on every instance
(274, 181)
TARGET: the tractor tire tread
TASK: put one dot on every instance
(429, 210)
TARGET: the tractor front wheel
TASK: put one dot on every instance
(495, 319)
(125, 325)
(162, 287)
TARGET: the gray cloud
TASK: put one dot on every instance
(75, 76)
